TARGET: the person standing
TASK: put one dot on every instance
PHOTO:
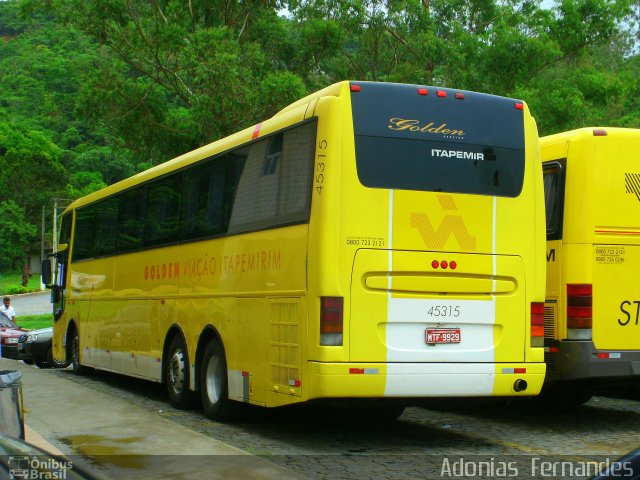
(7, 311)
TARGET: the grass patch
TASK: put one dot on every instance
(10, 283)
(33, 322)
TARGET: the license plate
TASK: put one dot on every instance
(442, 335)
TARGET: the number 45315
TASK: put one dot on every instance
(444, 311)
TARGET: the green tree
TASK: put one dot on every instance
(15, 236)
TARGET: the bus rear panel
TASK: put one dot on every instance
(438, 256)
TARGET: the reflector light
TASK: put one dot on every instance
(453, 265)
(519, 370)
(298, 383)
(579, 311)
(577, 323)
(441, 93)
(356, 371)
(459, 96)
(603, 354)
(331, 323)
(579, 289)
(537, 313)
(422, 91)
(444, 264)
(519, 106)
(551, 349)
(356, 88)
(597, 132)
(537, 324)
(435, 264)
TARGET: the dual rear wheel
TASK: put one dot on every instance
(213, 380)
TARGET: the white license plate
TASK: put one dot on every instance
(442, 335)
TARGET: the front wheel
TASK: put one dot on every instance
(51, 361)
(176, 375)
(214, 385)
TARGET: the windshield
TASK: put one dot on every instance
(404, 140)
(6, 321)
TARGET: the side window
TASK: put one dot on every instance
(130, 219)
(274, 151)
(106, 225)
(65, 229)
(203, 200)
(554, 178)
(275, 185)
(84, 234)
(162, 222)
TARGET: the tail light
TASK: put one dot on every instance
(579, 311)
(537, 324)
(331, 321)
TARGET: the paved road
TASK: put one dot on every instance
(32, 303)
(429, 439)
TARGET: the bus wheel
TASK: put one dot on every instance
(78, 368)
(214, 386)
(52, 363)
(177, 375)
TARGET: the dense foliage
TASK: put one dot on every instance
(92, 91)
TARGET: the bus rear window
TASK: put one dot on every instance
(554, 197)
(408, 141)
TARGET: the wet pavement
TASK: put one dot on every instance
(113, 438)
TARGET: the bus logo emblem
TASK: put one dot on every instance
(436, 238)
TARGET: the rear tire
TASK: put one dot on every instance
(176, 375)
(78, 368)
(214, 385)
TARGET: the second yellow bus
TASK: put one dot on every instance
(592, 310)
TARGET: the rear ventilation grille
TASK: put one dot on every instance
(550, 310)
(285, 346)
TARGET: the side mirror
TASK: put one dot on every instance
(47, 277)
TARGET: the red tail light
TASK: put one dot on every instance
(579, 311)
(331, 320)
(537, 324)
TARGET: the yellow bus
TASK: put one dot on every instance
(371, 240)
(592, 191)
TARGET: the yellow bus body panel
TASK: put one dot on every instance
(600, 244)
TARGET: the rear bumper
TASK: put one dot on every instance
(580, 360)
(420, 380)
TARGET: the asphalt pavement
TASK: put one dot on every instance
(31, 303)
(116, 439)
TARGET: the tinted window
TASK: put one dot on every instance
(106, 225)
(203, 200)
(131, 219)
(65, 229)
(408, 141)
(162, 222)
(554, 174)
(267, 197)
(84, 232)
(262, 185)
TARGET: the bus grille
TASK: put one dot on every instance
(285, 347)
(550, 320)
(550, 311)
